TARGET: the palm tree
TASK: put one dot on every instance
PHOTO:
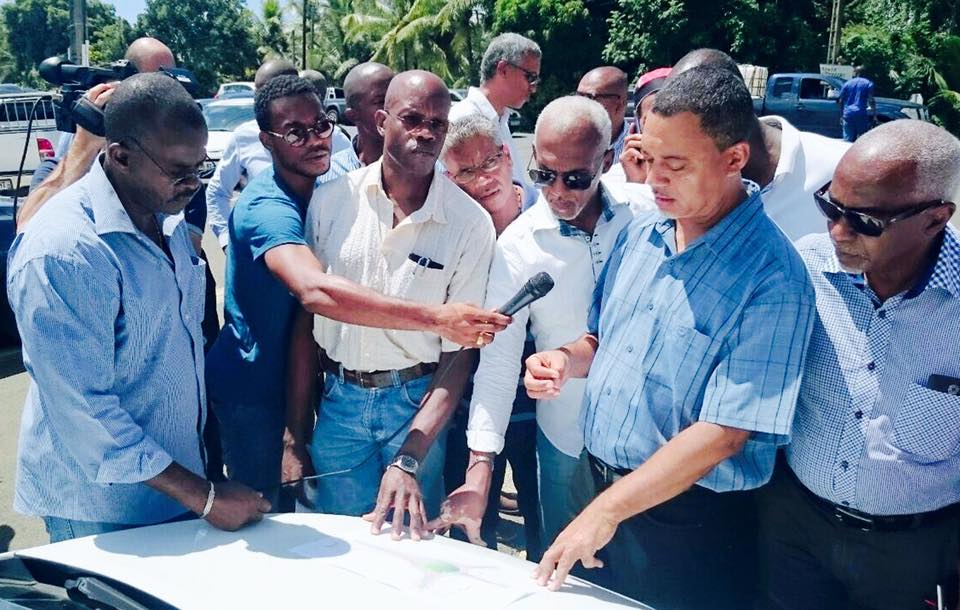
(273, 40)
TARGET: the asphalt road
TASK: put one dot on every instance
(18, 531)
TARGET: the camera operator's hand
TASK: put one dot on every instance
(99, 95)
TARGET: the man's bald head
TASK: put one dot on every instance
(149, 55)
(317, 79)
(420, 84)
(903, 162)
(363, 77)
(271, 68)
(606, 77)
(711, 58)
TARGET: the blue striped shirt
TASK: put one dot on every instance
(715, 333)
(870, 432)
(113, 346)
(341, 163)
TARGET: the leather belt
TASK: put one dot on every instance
(873, 523)
(376, 379)
(604, 473)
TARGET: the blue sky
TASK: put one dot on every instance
(129, 9)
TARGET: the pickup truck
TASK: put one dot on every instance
(809, 102)
(14, 117)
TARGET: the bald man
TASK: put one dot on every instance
(608, 86)
(365, 88)
(244, 156)
(789, 165)
(863, 511)
(402, 228)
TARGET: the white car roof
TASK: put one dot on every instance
(312, 560)
(231, 101)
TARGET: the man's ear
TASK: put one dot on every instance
(265, 140)
(380, 117)
(607, 160)
(119, 155)
(938, 218)
(737, 157)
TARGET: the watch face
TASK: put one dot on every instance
(407, 464)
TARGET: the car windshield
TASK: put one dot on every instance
(226, 118)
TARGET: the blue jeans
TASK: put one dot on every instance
(854, 126)
(61, 529)
(555, 471)
(252, 439)
(351, 424)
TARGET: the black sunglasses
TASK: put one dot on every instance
(532, 77)
(577, 180)
(862, 222)
(298, 136)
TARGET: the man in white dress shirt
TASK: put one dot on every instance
(569, 233)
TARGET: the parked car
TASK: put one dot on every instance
(335, 104)
(15, 112)
(809, 102)
(457, 94)
(293, 560)
(235, 87)
(223, 116)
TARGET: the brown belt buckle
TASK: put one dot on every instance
(862, 523)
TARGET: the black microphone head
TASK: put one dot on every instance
(541, 284)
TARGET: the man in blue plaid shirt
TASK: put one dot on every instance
(864, 513)
(694, 351)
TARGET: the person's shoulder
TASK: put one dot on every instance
(821, 150)
(459, 207)
(815, 249)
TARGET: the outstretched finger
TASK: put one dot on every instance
(566, 563)
(415, 508)
(547, 564)
(399, 510)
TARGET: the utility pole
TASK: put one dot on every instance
(833, 35)
(303, 61)
(78, 46)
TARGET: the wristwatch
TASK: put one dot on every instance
(406, 463)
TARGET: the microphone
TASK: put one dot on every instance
(536, 287)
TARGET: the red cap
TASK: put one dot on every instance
(651, 82)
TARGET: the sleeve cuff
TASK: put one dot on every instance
(485, 442)
(133, 464)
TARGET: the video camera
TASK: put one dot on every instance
(72, 108)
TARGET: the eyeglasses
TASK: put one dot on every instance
(175, 180)
(412, 122)
(576, 180)
(861, 222)
(598, 97)
(297, 136)
(532, 77)
(490, 165)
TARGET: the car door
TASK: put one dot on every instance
(817, 108)
(781, 99)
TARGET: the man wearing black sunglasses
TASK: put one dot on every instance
(864, 511)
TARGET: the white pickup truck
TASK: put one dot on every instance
(14, 117)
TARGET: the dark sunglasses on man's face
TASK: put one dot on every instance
(862, 222)
(297, 136)
(576, 180)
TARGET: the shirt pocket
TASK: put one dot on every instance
(422, 284)
(681, 368)
(927, 426)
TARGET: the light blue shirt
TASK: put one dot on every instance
(341, 163)
(870, 432)
(715, 333)
(113, 346)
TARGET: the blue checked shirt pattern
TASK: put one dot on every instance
(113, 346)
(870, 433)
(716, 333)
(341, 163)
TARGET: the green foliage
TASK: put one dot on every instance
(212, 38)
(37, 29)
(271, 37)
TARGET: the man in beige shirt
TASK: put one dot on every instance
(401, 228)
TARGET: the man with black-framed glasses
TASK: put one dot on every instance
(607, 85)
(509, 75)
(863, 511)
(108, 294)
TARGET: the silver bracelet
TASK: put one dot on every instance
(211, 496)
(481, 458)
